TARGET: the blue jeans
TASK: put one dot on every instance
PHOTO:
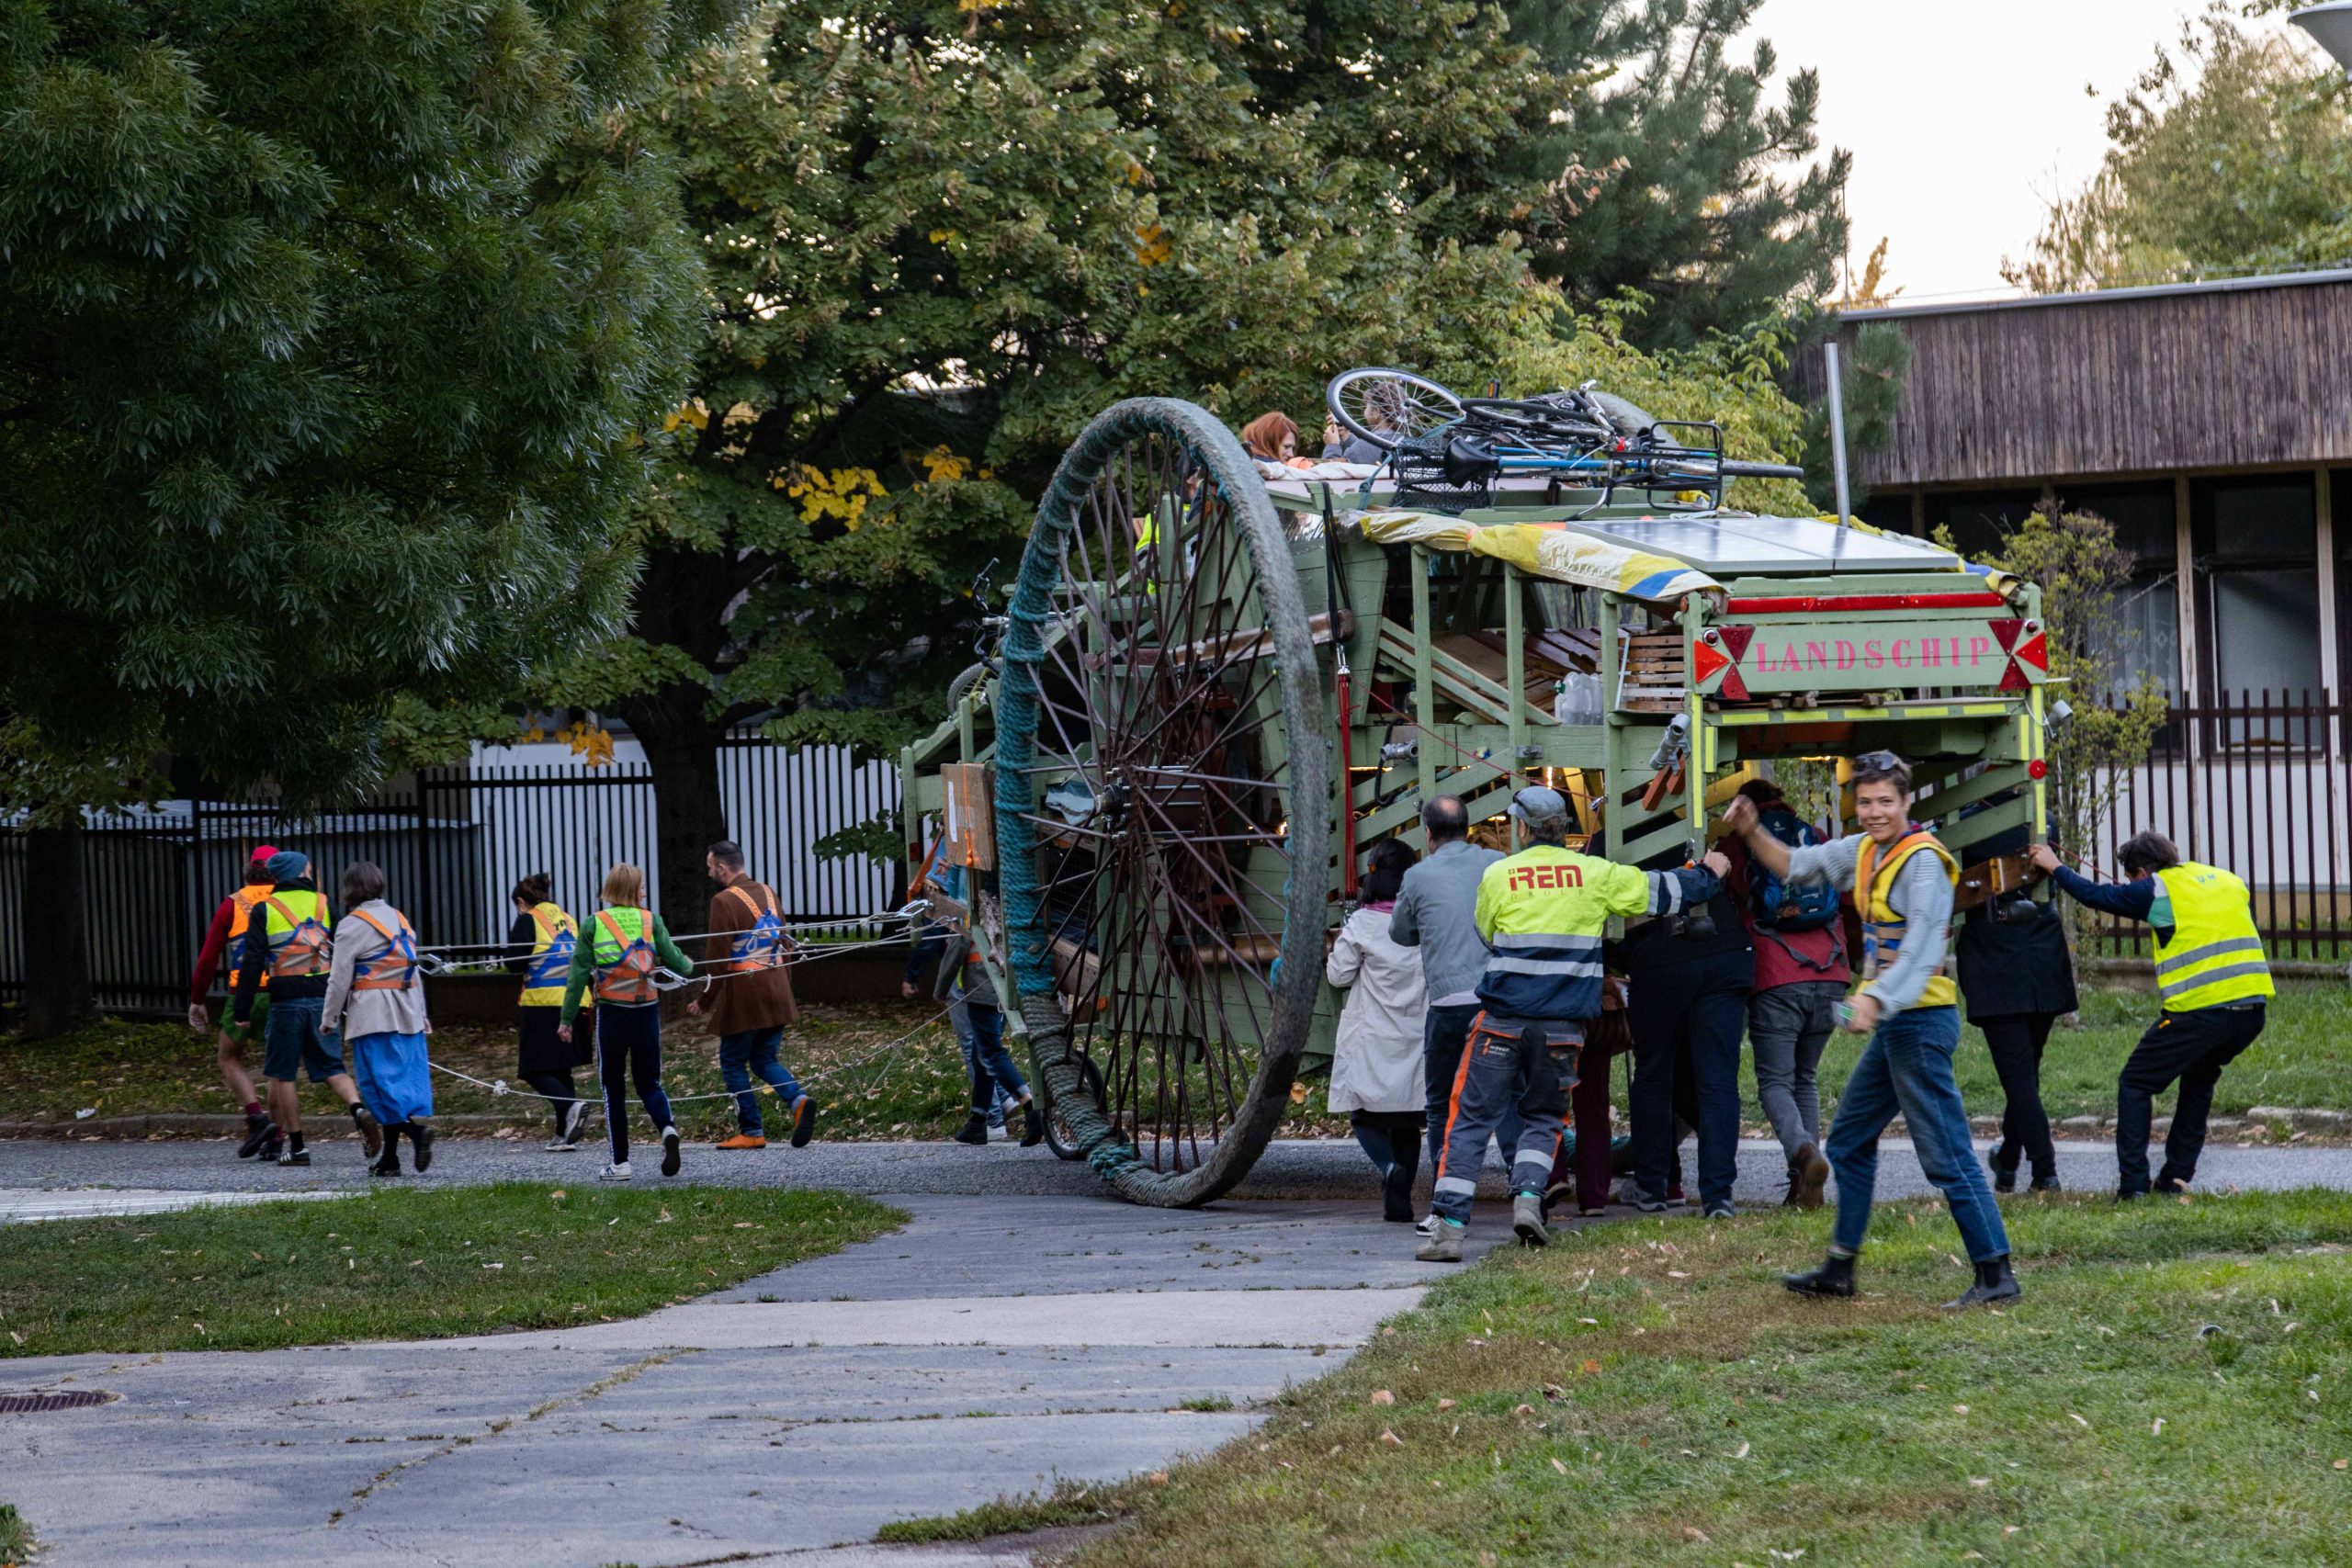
(291, 1042)
(992, 1065)
(740, 1057)
(959, 1019)
(1907, 1068)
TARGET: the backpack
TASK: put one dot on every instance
(1781, 906)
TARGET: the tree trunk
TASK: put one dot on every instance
(57, 958)
(688, 817)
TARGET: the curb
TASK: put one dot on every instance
(187, 1124)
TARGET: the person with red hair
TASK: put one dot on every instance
(1271, 438)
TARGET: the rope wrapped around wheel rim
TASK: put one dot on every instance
(1220, 574)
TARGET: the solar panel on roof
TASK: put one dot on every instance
(1724, 544)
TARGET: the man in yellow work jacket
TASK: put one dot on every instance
(2216, 989)
(1903, 881)
(1542, 913)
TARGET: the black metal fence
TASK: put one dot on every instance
(2259, 783)
(452, 843)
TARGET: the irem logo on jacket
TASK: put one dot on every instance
(1539, 878)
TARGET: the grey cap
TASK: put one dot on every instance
(1541, 810)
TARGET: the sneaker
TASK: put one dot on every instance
(575, 1121)
(1808, 1173)
(1558, 1195)
(804, 1120)
(274, 1147)
(2005, 1176)
(420, 1138)
(1833, 1278)
(670, 1151)
(1674, 1195)
(1995, 1282)
(1717, 1211)
(1649, 1205)
(975, 1131)
(742, 1141)
(259, 1131)
(1527, 1220)
(1426, 1226)
(2045, 1184)
(561, 1147)
(288, 1155)
(614, 1172)
(371, 1132)
(1445, 1246)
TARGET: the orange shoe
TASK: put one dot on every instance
(742, 1141)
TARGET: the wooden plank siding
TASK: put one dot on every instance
(2254, 373)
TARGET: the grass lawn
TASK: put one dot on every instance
(422, 1263)
(15, 1537)
(1648, 1393)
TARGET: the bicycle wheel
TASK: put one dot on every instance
(1163, 803)
(1385, 407)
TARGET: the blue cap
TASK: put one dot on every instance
(287, 865)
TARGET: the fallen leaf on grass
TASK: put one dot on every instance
(1693, 1533)
(1446, 1403)
(1381, 1396)
(2158, 1430)
(1960, 1409)
(1742, 1451)
(2078, 1420)
(1391, 1439)
(1980, 1481)
(1158, 1478)
(2340, 1464)
(1591, 1367)
(1522, 1410)
(1558, 1466)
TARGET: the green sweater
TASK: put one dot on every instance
(584, 962)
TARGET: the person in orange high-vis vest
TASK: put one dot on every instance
(1903, 881)
(750, 1004)
(619, 957)
(291, 941)
(376, 1003)
(224, 946)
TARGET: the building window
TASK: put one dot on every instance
(1979, 519)
(2147, 627)
(2258, 554)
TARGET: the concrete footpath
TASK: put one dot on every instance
(1020, 1330)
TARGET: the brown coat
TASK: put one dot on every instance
(758, 1000)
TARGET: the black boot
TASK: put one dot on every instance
(420, 1135)
(259, 1131)
(1032, 1122)
(2046, 1183)
(1833, 1278)
(388, 1162)
(1397, 1192)
(1995, 1282)
(2005, 1168)
(974, 1130)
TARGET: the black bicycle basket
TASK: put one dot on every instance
(1442, 472)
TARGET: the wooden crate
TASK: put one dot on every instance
(970, 813)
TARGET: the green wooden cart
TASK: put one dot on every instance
(1221, 683)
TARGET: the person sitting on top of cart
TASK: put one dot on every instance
(1902, 879)
(1542, 913)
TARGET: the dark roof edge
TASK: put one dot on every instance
(2105, 295)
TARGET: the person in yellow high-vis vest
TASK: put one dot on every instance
(1903, 880)
(291, 941)
(2215, 986)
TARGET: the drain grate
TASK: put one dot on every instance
(33, 1403)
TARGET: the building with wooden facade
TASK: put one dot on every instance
(2210, 423)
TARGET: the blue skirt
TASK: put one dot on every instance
(394, 1081)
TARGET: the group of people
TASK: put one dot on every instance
(309, 989)
(1486, 999)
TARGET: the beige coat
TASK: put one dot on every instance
(1376, 1064)
(369, 1012)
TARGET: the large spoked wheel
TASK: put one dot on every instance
(1163, 799)
(1385, 407)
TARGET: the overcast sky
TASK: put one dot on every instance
(1966, 118)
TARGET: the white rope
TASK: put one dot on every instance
(500, 1087)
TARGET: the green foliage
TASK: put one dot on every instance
(2232, 152)
(1872, 375)
(1669, 170)
(331, 327)
(2074, 557)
